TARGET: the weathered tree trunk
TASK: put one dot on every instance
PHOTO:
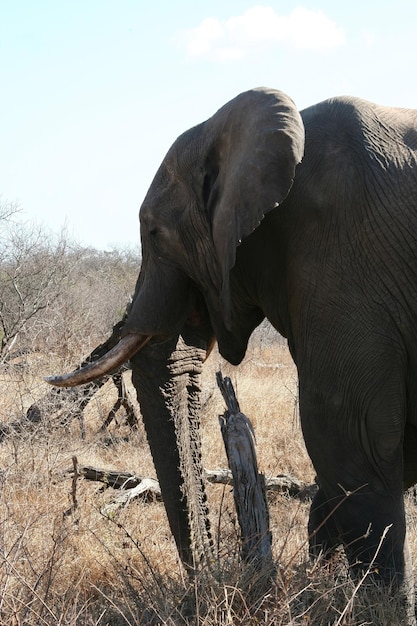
(249, 485)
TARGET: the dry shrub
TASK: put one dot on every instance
(63, 562)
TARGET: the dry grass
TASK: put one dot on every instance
(61, 564)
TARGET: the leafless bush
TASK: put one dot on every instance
(55, 295)
(8, 209)
(94, 297)
(33, 270)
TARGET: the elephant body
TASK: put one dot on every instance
(334, 269)
(309, 220)
(352, 321)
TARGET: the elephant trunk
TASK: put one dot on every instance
(167, 379)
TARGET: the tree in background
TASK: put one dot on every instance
(54, 292)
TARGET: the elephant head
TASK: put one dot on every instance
(212, 190)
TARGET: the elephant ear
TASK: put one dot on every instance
(257, 142)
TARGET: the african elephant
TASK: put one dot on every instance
(310, 220)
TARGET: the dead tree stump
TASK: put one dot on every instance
(248, 484)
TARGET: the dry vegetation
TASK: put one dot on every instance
(71, 565)
(63, 562)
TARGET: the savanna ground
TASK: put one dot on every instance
(77, 567)
(62, 561)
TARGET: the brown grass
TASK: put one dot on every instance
(61, 564)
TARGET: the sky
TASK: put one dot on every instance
(94, 92)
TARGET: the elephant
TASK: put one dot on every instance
(309, 219)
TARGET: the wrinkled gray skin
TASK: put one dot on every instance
(234, 229)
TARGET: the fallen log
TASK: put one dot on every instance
(111, 478)
(148, 487)
(132, 486)
(284, 483)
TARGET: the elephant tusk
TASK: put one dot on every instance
(105, 365)
(210, 347)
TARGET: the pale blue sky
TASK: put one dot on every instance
(93, 92)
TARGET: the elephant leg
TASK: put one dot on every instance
(378, 553)
(322, 531)
(369, 523)
(165, 376)
(359, 463)
(379, 548)
(353, 411)
(356, 508)
(382, 555)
